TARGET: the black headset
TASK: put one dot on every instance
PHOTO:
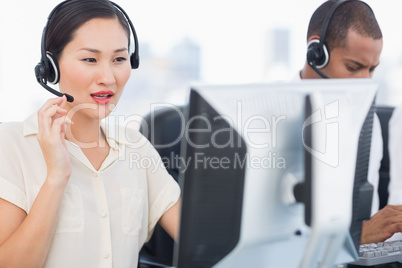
(317, 52)
(47, 70)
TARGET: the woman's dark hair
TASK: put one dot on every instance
(355, 15)
(72, 15)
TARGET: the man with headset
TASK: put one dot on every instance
(345, 41)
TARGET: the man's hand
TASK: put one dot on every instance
(382, 225)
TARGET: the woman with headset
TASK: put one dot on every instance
(75, 192)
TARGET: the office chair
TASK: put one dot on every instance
(384, 114)
(163, 128)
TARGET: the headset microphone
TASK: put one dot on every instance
(319, 72)
(51, 90)
(69, 97)
(52, 75)
(314, 67)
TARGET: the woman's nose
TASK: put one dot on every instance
(105, 75)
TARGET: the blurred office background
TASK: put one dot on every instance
(185, 42)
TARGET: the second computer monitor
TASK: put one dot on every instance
(270, 170)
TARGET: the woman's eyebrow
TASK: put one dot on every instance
(93, 50)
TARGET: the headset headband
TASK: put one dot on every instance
(328, 19)
(134, 58)
(329, 16)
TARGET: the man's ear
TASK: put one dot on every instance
(313, 37)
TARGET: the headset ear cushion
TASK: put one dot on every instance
(54, 72)
(134, 60)
(40, 71)
(317, 54)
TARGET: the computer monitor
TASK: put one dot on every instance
(270, 174)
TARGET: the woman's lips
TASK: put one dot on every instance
(102, 97)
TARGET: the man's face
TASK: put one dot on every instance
(358, 59)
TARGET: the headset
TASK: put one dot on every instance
(317, 52)
(47, 70)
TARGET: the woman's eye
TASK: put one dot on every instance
(120, 59)
(91, 60)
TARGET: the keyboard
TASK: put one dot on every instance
(380, 253)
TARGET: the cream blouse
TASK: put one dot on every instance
(106, 215)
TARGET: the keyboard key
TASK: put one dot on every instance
(369, 254)
(380, 253)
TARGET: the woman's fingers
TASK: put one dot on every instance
(51, 102)
(52, 121)
(49, 112)
(58, 125)
(63, 101)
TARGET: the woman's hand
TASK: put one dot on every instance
(52, 122)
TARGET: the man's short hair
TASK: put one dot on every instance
(355, 15)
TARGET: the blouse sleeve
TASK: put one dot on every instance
(12, 186)
(163, 190)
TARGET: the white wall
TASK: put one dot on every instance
(230, 32)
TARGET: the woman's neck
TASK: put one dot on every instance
(86, 133)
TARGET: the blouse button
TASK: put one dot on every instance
(103, 213)
(105, 254)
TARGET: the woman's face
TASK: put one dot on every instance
(95, 67)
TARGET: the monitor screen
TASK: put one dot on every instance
(270, 170)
